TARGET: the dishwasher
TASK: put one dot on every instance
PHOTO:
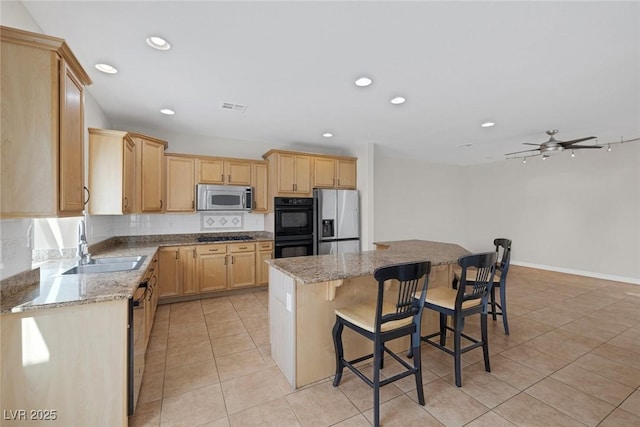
(136, 345)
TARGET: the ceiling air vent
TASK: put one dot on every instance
(230, 106)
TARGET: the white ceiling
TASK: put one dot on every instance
(528, 66)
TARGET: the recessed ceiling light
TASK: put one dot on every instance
(327, 134)
(487, 124)
(167, 111)
(363, 81)
(398, 100)
(159, 43)
(106, 68)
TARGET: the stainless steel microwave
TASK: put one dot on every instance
(223, 198)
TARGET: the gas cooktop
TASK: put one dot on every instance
(224, 238)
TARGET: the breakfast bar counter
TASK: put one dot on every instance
(305, 291)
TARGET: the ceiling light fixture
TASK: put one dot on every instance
(609, 147)
(158, 42)
(363, 81)
(398, 100)
(524, 160)
(327, 134)
(106, 68)
(573, 154)
(488, 124)
(167, 111)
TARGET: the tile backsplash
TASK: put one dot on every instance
(133, 225)
(16, 243)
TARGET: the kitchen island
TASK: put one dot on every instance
(305, 291)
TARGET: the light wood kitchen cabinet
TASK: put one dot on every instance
(241, 265)
(224, 171)
(151, 300)
(334, 173)
(169, 277)
(180, 185)
(126, 172)
(200, 269)
(260, 184)
(149, 173)
(212, 267)
(264, 251)
(42, 122)
(289, 174)
(111, 172)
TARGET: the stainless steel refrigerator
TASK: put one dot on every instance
(336, 222)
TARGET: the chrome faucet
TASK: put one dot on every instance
(83, 246)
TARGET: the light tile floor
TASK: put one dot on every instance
(572, 359)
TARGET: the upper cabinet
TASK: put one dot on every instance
(42, 126)
(180, 174)
(260, 184)
(111, 172)
(334, 173)
(224, 171)
(149, 173)
(126, 173)
(290, 173)
(297, 174)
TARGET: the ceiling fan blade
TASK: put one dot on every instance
(577, 147)
(525, 151)
(529, 143)
(566, 144)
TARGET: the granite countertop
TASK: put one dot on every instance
(46, 287)
(323, 268)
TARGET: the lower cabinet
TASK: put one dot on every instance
(264, 251)
(190, 270)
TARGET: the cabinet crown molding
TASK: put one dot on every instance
(300, 153)
(43, 41)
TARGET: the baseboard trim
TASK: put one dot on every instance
(631, 280)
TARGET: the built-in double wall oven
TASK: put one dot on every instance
(293, 226)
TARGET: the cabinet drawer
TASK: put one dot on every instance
(242, 247)
(265, 246)
(211, 249)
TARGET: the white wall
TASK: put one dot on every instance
(417, 200)
(577, 214)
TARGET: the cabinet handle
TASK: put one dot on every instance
(88, 194)
(225, 260)
(160, 203)
(231, 259)
(214, 250)
(242, 247)
(177, 254)
(229, 178)
(126, 203)
(195, 254)
(338, 181)
(222, 177)
(193, 204)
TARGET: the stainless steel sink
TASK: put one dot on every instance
(108, 265)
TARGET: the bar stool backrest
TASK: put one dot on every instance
(480, 287)
(503, 254)
(412, 278)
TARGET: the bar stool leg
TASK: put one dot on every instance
(337, 342)
(443, 329)
(457, 325)
(485, 341)
(493, 303)
(503, 308)
(377, 363)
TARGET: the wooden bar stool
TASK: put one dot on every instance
(461, 303)
(389, 318)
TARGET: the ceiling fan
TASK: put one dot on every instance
(553, 145)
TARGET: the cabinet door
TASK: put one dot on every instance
(188, 270)
(346, 174)
(259, 182)
(262, 268)
(303, 174)
(212, 271)
(286, 173)
(168, 272)
(180, 184)
(71, 173)
(210, 171)
(324, 172)
(151, 163)
(128, 176)
(238, 172)
(242, 269)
